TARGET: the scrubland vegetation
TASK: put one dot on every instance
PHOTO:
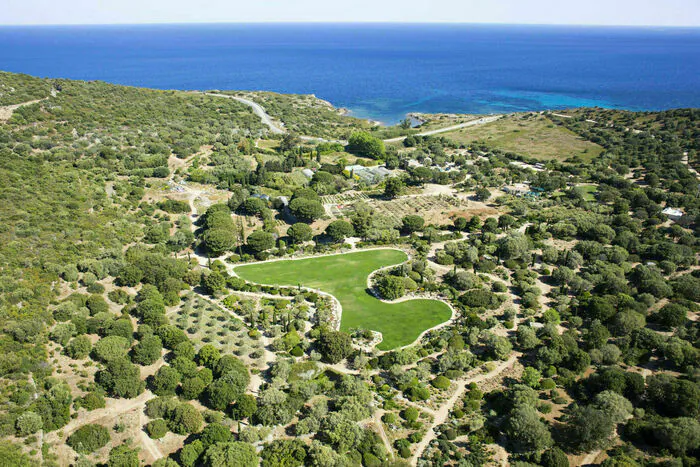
(135, 333)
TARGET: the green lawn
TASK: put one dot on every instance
(589, 191)
(345, 277)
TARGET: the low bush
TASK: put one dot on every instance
(440, 382)
(157, 428)
(88, 438)
(92, 401)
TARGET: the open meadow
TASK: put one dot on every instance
(345, 277)
(529, 135)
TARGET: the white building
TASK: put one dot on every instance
(371, 175)
(673, 213)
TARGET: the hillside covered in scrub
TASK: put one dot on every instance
(535, 302)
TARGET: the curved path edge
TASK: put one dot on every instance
(257, 110)
(338, 316)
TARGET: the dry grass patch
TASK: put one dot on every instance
(530, 135)
(434, 209)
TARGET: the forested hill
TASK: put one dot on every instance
(57, 158)
(550, 272)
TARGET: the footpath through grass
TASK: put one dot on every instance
(345, 277)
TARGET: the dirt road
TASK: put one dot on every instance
(279, 130)
(377, 417)
(443, 412)
(257, 110)
(479, 121)
(150, 447)
(6, 110)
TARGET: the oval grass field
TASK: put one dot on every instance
(345, 277)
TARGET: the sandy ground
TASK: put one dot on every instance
(115, 410)
(6, 111)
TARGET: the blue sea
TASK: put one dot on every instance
(381, 71)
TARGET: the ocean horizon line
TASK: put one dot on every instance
(365, 23)
(380, 71)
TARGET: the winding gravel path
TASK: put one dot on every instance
(279, 130)
(479, 121)
(442, 414)
(257, 110)
(6, 110)
(377, 417)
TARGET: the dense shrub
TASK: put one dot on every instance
(121, 378)
(157, 428)
(365, 145)
(111, 348)
(481, 298)
(124, 456)
(147, 351)
(232, 454)
(28, 423)
(334, 345)
(79, 347)
(440, 382)
(92, 401)
(88, 438)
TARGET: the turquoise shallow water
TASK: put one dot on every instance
(381, 71)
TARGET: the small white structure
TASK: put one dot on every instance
(449, 167)
(673, 214)
(382, 171)
(308, 173)
(517, 189)
(371, 175)
(538, 167)
(354, 168)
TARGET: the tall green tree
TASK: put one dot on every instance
(339, 230)
(393, 187)
(526, 431)
(260, 241)
(121, 378)
(365, 145)
(300, 232)
(334, 345)
(232, 454)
